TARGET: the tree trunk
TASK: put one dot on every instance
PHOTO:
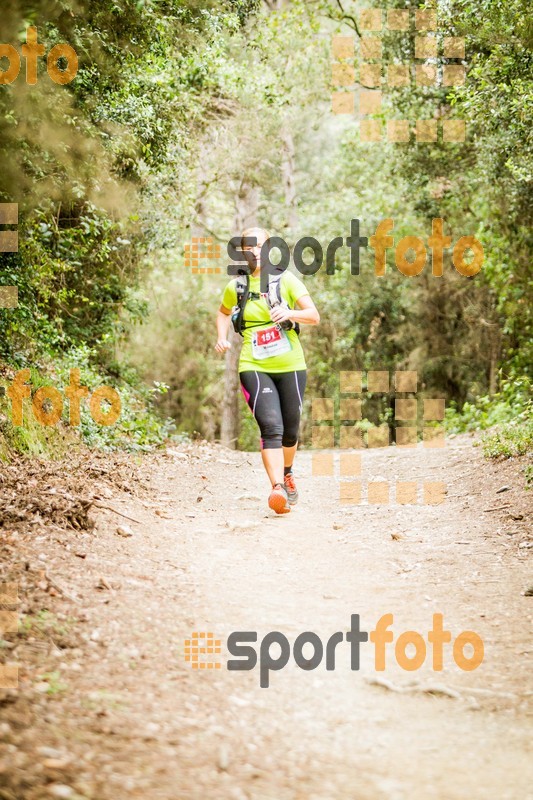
(200, 208)
(246, 201)
(495, 344)
(275, 5)
(229, 429)
(287, 171)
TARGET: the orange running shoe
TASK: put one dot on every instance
(290, 488)
(279, 500)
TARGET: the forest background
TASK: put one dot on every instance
(190, 119)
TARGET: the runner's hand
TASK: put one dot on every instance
(280, 314)
(222, 345)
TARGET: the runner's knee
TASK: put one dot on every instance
(289, 438)
(291, 427)
(272, 442)
(271, 431)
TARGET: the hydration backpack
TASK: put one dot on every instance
(273, 298)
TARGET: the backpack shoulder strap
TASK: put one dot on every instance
(274, 289)
(241, 285)
(274, 294)
(243, 290)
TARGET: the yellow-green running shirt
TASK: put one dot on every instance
(257, 311)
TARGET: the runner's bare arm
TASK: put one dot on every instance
(223, 323)
(308, 314)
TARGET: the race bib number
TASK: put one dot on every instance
(270, 342)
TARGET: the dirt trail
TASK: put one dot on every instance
(131, 719)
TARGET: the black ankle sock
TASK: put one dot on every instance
(286, 470)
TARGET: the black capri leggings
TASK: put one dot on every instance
(275, 400)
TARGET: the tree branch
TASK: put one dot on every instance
(350, 18)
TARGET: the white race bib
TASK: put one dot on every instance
(270, 342)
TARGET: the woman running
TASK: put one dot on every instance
(272, 366)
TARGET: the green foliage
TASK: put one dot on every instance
(483, 187)
(175, 345)
(72, 272)
(32, 438)
(249, 433)
(177, 112)
(92, 166)
(456, 332)
(513, 403)
(510, 441)
(138, 428)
